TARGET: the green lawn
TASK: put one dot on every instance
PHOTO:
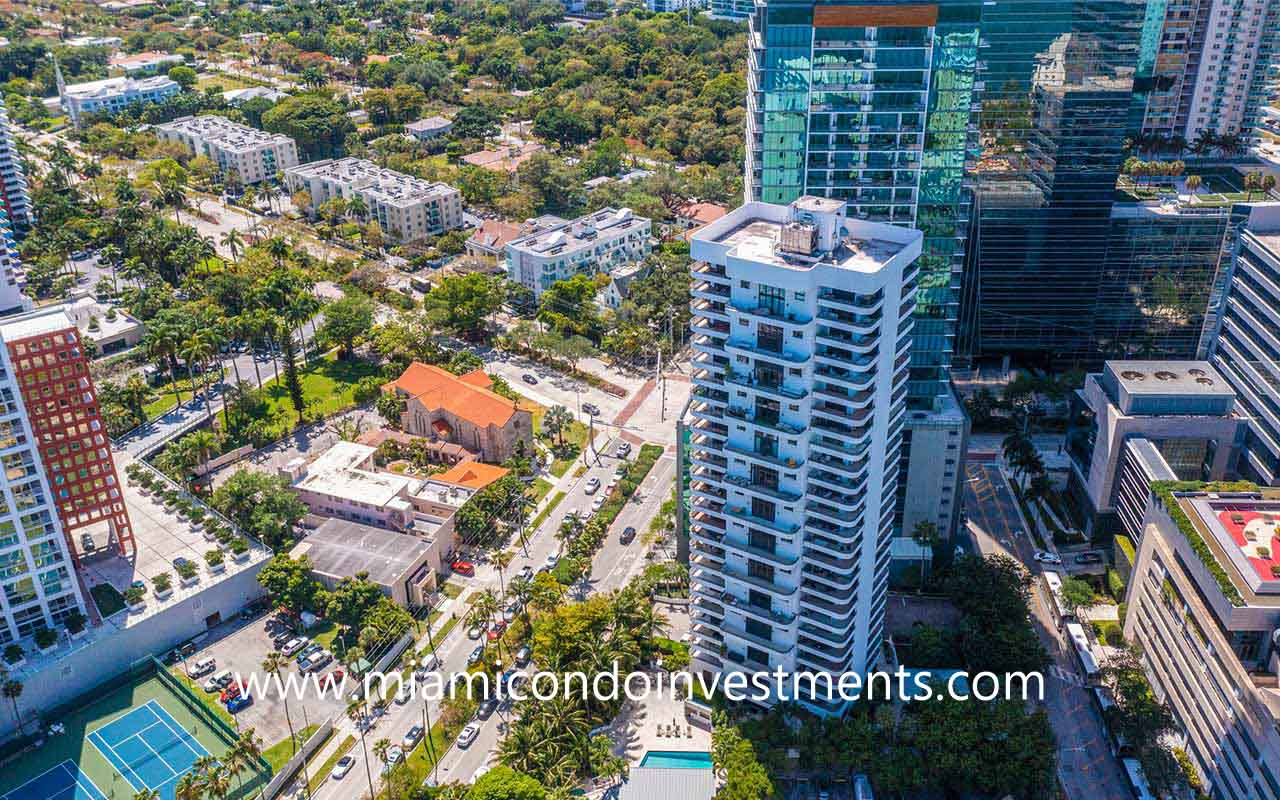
(163, 399)
(324, 633)
(451, 590)
(320, 775)
(210, 700)
(108, 599)
(445, 628)
(419, 761)
(278, 754)
(328, 386)
(540, 489)
(546, 511)
(225, 81)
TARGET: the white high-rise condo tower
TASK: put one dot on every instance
(802, 323)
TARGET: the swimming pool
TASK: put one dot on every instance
(677, 759)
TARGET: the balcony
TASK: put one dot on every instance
(747, 664)
(706, 290)
(708, 412)
(743, 514)
(767, 614)
(846, 563)
(708, 459)
(740, 574)
(775, 425)
(784, 316)
(706, 325)
(850, 511)
(740, 631)
(774, 492)
(859, 379)
(847, 358)
(755, 349)
(789, 463)
(776, 390)
(711, 309)
(710, 345)
(854, 468)
(853, 302)
(835, 483)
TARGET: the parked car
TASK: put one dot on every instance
(343, 766)
(526, 572)
(294, 645)
(1045, 557)
(232, 691)
(202, 667)
(463, 567)
(316, 661)
(219, 682)
(624, 449)
(239, 702)
(628, 533)
(307, 652)
(404, 694)
(429, 664)
(179, 562)
(597, 504)
(591, 408)
(468, 734)
(1089, 558)
(394, 755)
(412, 738)
(552, 560)
(523, 655)
(529, 378)
(334, 678)
(495, 632)
(487, 708)
(282, 637)
(593, 484)
(476, 655)
(475, 631)
(509, 613)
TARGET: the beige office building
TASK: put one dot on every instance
(1204, 607)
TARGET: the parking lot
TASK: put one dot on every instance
(243, 651)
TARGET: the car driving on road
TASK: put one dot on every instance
(468, 734)
(1045, 557)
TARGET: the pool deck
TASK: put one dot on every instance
(635, 731)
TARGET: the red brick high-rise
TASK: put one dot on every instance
(52, 372)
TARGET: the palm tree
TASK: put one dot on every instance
(556, 420)
(380, 749)
(273, 664)
(484, 608)
(502, 559)
(188, 787)
(146, 794)
(198, 350)
(357, 208)
(12, 690)
(244, 755)
(234, 242)
(355, 713)
(217, 782)
(161, 342)
(521, 591)
(203, 442)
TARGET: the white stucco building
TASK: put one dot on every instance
(113, 95)
(252, 154)
(802, 333)
(588, 245)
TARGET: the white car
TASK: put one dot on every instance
(593, 484)
(526, 572)
(1047, 558)
(552, 560)
(294, 645)
(468, 734)
(597, 504)
(343, 766)
(395, 754)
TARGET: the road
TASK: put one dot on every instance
(1086, 767)
(613, 566)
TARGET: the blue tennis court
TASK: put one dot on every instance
(149, 748)
(63, 782)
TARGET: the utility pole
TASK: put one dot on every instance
(662, 386)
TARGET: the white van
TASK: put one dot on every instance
(202, 667)
(218, 682)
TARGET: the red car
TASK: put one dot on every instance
(333, 677)
(463, 567)
(232, 691)
(497, 630)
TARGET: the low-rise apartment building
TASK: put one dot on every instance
(424, 130)
(1204, 607)
(252, 154)
(148, 63)
(588, 245)
(462, 410)
(406, 207)
(113, 95)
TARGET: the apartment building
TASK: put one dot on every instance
(462, 410)
(51, 371)
(147, 63)
(1245, 347)
(37, 566)
(802, 323)
(14, 193)
(407, 208)
(113, 95)
(588, 245)
(1184, 409)
(1212, 70)
(1204, 606)
(252, 154)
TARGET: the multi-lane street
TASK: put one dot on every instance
(1086, 767)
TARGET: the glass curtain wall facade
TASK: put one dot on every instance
(1057, 90)
(870, 104)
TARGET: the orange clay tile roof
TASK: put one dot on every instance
(477, 377)
(439, 388)
(471, 474)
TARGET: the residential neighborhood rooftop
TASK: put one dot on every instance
(581, 232)
(222, 131)
(109, 86)
(338, 472)
(386, 185)
(342, 548)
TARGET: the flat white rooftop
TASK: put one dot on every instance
(224, 132)
(338, 473)
(582, 232)
(757, 238)
(35, 323)
(110, 86)
(386, 185)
